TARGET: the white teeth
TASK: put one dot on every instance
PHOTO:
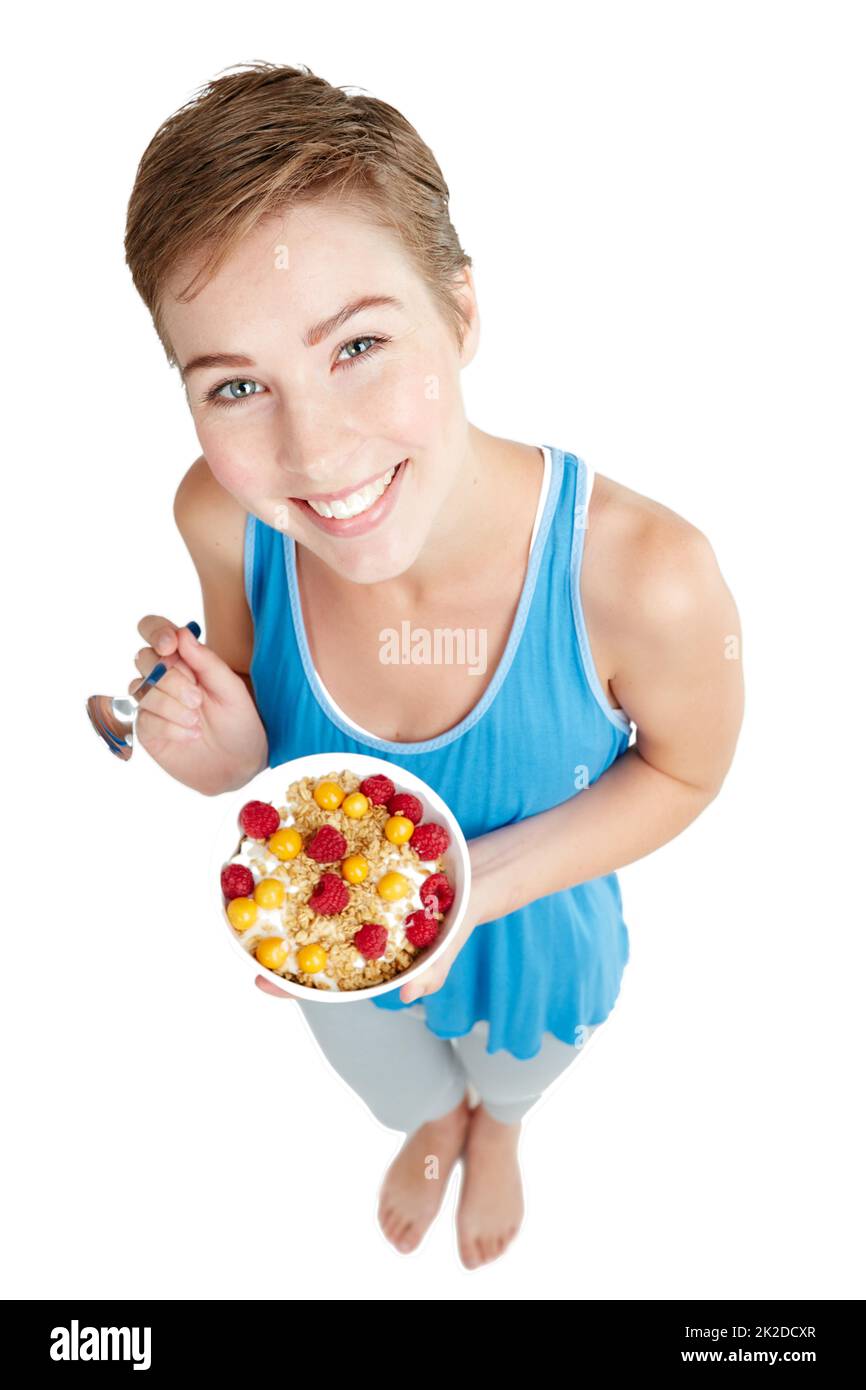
(356, 502)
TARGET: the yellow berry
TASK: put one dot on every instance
(392, 886)
(269, 892)
(355, 868)
(312, 959)
(328, 795)
(242, 912)
(356, 805)
(398, 829)
(285, 843)
(271, 952)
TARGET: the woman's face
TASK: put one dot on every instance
(302, 409)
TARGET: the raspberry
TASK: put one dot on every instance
(236, 881)
(430, 840)
(378, 789)
(371, 939)
(405, 804)
(331, 895)
(259, 820)
(327, 845)
(437, 893)
(421, 928)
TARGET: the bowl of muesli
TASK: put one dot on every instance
(341, 876)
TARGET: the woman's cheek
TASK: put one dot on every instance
(239, 476)
(405, 406)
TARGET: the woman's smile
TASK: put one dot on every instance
(355, 511)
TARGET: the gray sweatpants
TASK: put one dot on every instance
(406, 1075)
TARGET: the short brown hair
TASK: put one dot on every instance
(265, 139)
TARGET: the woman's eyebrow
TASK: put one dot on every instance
(312, 337)
(215, 359)
(322, 330)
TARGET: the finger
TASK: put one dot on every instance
(160, 633)
(268, 987)
(154, 732)
(146, 658)
(173, 682)
(412, 991)
(428, 983)
(211, 672)
(164, 706)
(174, 699)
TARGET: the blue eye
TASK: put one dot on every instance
(215, 393)
(377, 344)
(215, 397)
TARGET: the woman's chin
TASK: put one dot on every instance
(383, 553)
(367, 563)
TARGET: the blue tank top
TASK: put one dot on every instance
(542, 730)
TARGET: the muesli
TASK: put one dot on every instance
(341, 887)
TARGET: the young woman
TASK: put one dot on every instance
(294, 247)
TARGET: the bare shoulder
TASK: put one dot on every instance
(210, 520)
(669, 630)
(646, 568)
(212, 523)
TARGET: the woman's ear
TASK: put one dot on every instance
(464, 288)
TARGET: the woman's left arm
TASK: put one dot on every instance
(680, 678)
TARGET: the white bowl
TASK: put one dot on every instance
(270, 785)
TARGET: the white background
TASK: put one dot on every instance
(664, 206)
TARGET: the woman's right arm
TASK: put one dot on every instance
(229, 745)
(212, 524)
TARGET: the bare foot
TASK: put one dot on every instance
(490, 1209)
(413, 1187)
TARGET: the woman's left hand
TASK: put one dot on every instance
(428, 981)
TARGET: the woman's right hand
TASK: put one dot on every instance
(199, 722)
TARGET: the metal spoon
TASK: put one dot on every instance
(114, 718)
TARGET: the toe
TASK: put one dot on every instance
(402, 1233)
(393, 1227)
(469, 1254)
